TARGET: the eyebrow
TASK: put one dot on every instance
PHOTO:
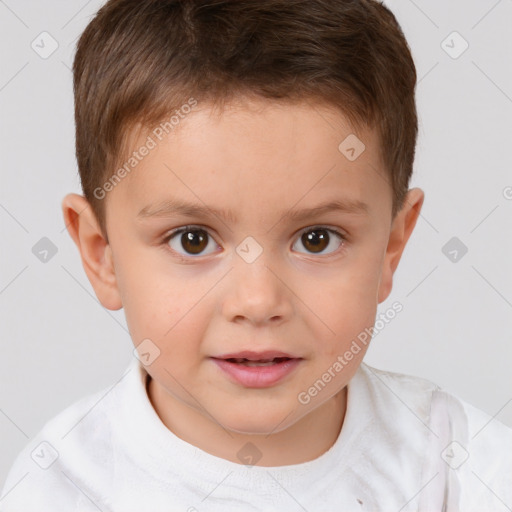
(173, 207)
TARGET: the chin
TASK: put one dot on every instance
(257, 423)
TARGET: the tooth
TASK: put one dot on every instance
(257, 363)
(260, 362)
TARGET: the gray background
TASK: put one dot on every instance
(59, 344)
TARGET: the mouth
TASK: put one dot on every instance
(257, 370)
(267, 362)
(267, 356)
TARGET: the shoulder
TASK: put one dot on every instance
(56, 469)
(397, 394)
(410, 384)
(469, 448)
(487, 470)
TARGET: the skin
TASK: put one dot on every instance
(259, 159)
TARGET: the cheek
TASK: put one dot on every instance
(150, 300)
(166, 311)
(347, 307)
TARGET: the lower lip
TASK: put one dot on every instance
(258, 376)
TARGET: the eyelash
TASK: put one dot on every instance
(193, 227)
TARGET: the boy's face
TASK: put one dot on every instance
(262, 278)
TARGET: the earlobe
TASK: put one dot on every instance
(95, 251)
(401, 230)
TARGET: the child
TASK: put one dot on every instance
(245, 167)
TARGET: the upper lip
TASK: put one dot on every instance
(256, 356)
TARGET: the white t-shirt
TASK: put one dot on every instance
(405, 445)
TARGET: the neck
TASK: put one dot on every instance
(305, 440)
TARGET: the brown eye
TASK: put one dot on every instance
(316, 240)
(192, 240)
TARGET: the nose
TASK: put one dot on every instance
(258, 293)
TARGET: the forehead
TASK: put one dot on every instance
(254, 152)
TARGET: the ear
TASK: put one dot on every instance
(401, 229)
(94, 250)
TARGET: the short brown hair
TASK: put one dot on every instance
(138, 60)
